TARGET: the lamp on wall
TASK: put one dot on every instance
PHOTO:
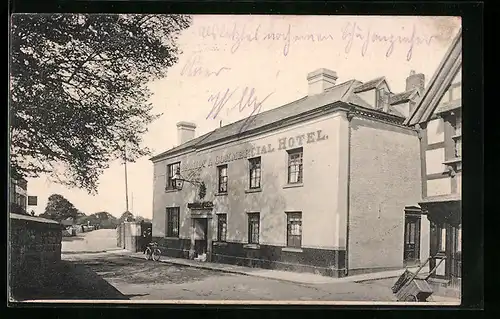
(179, 180)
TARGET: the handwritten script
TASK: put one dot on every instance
(353, 32)
(194, 67)
(350, 33)
(240, 99)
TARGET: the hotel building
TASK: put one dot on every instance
(328, 184)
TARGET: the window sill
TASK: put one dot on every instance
(221, 194)
(172, 238)
(453, 161)
(253, 190)
(252, 246)
(171, 190)
(293, 185)
(219, 243)
(292, 249)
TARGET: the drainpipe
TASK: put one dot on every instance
(350, 116)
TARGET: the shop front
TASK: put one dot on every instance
(445, 217)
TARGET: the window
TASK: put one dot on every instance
(221, 227)
(172, 222)
(458, 136)
(253, 228)
(295, 166)
(294, 230)
(442, 238)
(171, 170)
(254, 172)
(222, 178)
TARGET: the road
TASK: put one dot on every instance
(138, 279)
(93, 241)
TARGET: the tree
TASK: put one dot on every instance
(59, 208)
(126, 217)
(78, 90)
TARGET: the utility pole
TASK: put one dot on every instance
(132, 202)
(126, 180)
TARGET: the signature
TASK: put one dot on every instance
(239, 34)
(352, 32)
(244, 99)
(194, 68)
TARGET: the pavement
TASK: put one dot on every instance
(294, 277)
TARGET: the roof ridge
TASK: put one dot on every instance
(446, 66)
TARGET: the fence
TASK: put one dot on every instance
(35, 245)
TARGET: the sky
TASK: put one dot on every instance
(269, 56)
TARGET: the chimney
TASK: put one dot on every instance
(321, 80)
(185, 132)
(415, 81)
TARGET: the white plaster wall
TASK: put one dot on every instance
(318, 199)
(435, 131)
(441, 186)
(369, 97)
(434, 161)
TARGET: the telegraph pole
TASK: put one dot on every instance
(126, 180)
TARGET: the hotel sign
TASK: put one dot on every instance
(201, 205)
(282, 144)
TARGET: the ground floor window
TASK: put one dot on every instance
(172, 227)
(253, 228)
(294, 229)
(221, 227)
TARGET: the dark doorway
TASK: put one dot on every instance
(146, 234)
(200, 242)
(411, 254)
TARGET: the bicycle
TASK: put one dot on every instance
(152, 252)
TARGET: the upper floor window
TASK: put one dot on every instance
(254, 172)
(222, 170)
(171, 170)
(295, 166)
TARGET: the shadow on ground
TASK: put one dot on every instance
(72, 238)
(66, 281)
(138, 271)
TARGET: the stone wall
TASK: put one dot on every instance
(35, 246)
(129, 236)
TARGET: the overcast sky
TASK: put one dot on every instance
(275, 68)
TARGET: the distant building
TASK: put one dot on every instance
(322, 184)
(439, 119)
(18, 192)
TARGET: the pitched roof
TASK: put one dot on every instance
(439, 83)
(402, 97)
(33, 218)
(338, 93)
(369, 85)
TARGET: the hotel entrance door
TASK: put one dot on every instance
(200, 236)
